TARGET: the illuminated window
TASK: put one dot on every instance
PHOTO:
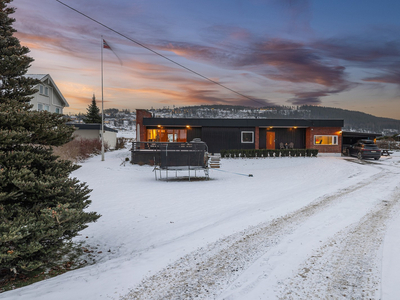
(326, 140)
(247, 137)
(167, 135)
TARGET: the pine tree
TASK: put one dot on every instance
(41, 206)
(93, 113)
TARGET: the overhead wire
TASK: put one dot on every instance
(159, 54)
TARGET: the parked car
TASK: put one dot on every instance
(365, 149)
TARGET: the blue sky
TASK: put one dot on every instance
(343, 54)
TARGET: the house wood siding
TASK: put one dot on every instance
(194, 132)
(53, 99)
(219, 138)
(286, 135)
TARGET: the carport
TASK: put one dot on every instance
(350, 138)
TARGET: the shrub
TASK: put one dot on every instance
(121, 143)
(79, 149)
(269, 153)
(312, 152)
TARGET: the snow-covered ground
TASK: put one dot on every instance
(300, 228)
(126, 133)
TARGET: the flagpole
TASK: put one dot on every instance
(102, 103)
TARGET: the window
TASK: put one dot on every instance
(43, 107)
(167, 135)
(58, 110)
(247, 137)
(43, 90)
(326, 140)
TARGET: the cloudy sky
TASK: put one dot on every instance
(340, 53)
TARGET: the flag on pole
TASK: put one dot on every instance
(107, 46)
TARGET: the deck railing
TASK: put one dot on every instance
(172, 146)
(140, 146)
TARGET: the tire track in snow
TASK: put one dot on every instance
(348, 266)
(204, 273)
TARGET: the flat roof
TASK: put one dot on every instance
(360, 135)
(200, 122)
(91, 126)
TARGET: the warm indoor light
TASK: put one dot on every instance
(187, 126)
(295, 127)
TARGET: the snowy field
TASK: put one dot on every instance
(300, 228)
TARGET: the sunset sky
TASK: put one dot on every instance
(343, 54)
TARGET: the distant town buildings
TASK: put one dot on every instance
(354, 121)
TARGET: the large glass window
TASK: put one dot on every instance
(167, 135)
(326, 139)
(247, 137)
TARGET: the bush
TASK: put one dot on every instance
(79, 149)
(121, 143)
(269, 153)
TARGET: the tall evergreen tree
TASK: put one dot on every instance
(41, 206)
(93, 113)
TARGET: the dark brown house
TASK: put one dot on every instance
(322, 134)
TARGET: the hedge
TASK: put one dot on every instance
(235, 153)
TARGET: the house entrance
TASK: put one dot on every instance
(270, 140)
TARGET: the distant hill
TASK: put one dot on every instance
(353, 120)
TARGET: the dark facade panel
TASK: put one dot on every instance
(262, 138)
(221, 138)
(284, 135)
(288, 135)
(194, 132)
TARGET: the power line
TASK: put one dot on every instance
(159, 54)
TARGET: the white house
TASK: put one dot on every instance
(48, 96)
(93, 131)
